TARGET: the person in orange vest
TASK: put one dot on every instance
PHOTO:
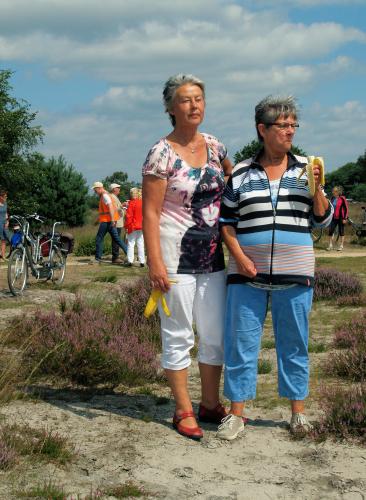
(108, 216)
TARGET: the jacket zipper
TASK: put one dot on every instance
(274, 210)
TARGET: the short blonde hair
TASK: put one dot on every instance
(134, 192)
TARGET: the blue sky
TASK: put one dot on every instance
(94, 71)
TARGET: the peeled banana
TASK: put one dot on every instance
(318, 161)
(152, 304)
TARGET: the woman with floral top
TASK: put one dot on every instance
(183, 181)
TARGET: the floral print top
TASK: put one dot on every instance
(189, 222)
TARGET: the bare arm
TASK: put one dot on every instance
(245, 264)
(153, 192)
(227, 167)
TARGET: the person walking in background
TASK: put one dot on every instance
(340, 216)
(4, 223)
(133, 227)
(266, 215)
(115, 190)
(108, 216)
(183, 181)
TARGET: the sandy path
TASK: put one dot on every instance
(129, 437)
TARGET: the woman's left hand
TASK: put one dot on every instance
(317, 175)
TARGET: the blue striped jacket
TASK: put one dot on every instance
(276, 238)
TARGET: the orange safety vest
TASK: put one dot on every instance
(104, 213)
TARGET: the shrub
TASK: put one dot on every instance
(126, 490)
(89, 346)
(350, 333)
(351, 361)
(331, 284)
(351, 301)
(85, 246)
(344, 413)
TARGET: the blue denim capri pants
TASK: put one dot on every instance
(246, 310)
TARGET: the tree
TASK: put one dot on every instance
(351, 176)
(252, 148)
(120, 178)
(17, 135)
(61, 192)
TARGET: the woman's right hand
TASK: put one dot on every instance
(246, 266)
(159, 277)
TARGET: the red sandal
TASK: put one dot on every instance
(189, 432)
(213, 416)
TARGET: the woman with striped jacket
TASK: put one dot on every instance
(266, 217)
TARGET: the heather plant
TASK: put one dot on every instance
(130, 308)
(344, 413)
(85, 246)
(350, 333)
(332, 284)
(8, 456)
(351, 301)
(350, 362)
(88, 345)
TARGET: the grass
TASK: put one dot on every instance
(43, 443)
(47, 491)
(264, 366)
(126, 490)
(106, 278)
(268, 344)
(317, 347)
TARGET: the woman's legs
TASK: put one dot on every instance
(245, 314)
(290, 316)
(140, 247)
(177, 341)
(131, 239)
(209, 313)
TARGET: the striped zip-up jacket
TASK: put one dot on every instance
(276, 238)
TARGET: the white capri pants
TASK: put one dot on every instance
(132, 238)
(199, 298)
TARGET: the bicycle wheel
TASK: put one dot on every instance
(17, 271)
(58, 266)
(316, 234)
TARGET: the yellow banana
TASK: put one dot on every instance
(152, 304)
(313, 160)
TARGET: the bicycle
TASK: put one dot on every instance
(40, 253)
(359, 227)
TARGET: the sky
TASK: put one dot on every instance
(94, 71)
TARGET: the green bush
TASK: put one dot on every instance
(264, 366)
(85, 246)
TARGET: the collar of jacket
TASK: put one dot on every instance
(292, 161)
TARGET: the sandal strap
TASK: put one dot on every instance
(184, 415)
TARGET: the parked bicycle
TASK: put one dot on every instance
(41, 254)
(359, 227)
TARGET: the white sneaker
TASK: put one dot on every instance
(300, 425)
(230, 427)
(329, 248)
(340, 248)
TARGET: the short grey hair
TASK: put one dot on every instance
(269, 109)
(173, 84)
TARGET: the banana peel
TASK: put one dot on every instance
(157, 296)
(319, 162)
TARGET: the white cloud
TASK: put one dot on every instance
(243, 54)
